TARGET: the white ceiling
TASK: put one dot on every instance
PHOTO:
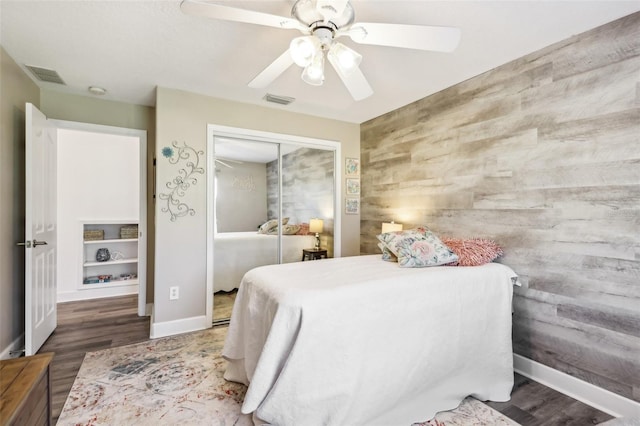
(130, 47)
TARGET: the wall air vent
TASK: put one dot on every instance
(44, 74)
(282, 100)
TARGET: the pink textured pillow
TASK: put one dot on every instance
(473, 251)
(304, 229)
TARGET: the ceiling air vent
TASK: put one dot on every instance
(282, 100)
(44, 74)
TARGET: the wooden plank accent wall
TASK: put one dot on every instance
(542, 155)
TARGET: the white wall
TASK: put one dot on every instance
(98, 180)
(241, 197)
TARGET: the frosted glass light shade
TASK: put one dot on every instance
(314, 73)
(347, 59)
(304, 49)
(316, 225)
(391, 227)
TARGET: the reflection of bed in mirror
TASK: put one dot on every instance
(236, 253)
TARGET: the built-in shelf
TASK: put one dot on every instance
(125, 252)
(115, 240)
(114, 283)
(111, 262)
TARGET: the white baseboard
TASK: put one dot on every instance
(597, 397)
(16, 345)
(169, 328)
(97, 293)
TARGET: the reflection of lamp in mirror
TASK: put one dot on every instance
(315, 226)
(391, 227)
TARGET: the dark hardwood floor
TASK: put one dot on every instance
(93, 325)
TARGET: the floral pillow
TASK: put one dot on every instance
(386, 254)
(270, 224)
(417, 248)
(286, 230)
(391, 239)
(473, 251)
(267, 226)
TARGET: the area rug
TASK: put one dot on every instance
(179, 380)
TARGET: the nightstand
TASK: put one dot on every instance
(314, 254)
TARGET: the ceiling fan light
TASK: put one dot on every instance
(303, 49)
(314, 73)
(347, 59)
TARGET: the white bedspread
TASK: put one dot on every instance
(359, 341)
(235, 253)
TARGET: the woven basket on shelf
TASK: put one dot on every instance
(129, 231)
(93, 234)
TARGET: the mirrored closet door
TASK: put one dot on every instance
(267, 196)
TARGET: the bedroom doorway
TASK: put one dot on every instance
(264, 191)
(78, 173)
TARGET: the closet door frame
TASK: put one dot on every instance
(214, 131)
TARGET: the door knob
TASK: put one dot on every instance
(27, 244)
(39, 243)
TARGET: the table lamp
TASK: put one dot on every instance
(315, 226)
(391, 227)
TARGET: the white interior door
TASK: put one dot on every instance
(40, 230)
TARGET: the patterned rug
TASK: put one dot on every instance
(179, 380)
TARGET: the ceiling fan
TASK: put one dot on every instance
(322, 22)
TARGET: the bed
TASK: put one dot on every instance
(360, 341)
(236, 253)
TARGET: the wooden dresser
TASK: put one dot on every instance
(25, 390)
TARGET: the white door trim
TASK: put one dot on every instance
(142, 223)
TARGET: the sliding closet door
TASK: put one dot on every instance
(307, 188)
(245, 228)
(267, 195)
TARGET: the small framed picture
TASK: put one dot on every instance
(352, 206)
(352, 167)
(353, 186)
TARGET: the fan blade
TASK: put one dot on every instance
(329, 9)
(439, 39)
(355, 81)
(272, 72)
(216, 11)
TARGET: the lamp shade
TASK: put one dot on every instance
(315, 225)
(391, 227)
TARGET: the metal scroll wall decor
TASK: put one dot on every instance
(186, 178)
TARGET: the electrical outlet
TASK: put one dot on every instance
(174, 293)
